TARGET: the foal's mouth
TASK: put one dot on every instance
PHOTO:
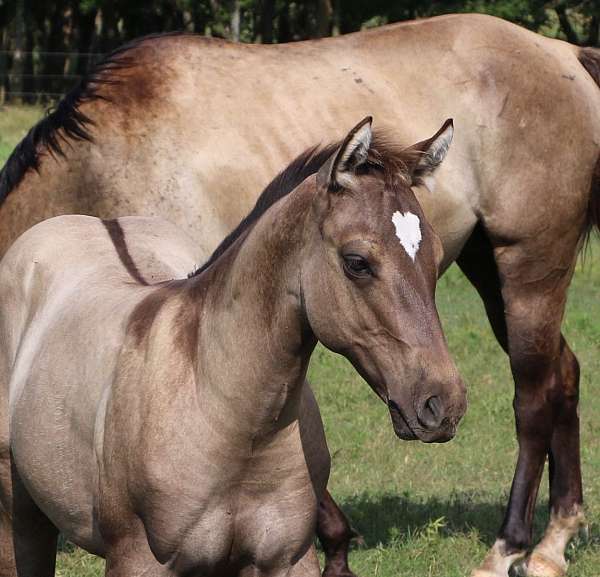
(401, 427)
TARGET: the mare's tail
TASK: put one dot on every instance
(590, 59)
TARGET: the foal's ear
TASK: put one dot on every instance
(349, 156)
(427, 155)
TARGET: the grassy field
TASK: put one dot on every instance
(432, 510)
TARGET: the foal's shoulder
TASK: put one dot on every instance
(47, 239)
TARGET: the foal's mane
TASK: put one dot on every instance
(287, 180)
(65, 122)
(385, 156)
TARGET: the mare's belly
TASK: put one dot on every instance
(449, 209)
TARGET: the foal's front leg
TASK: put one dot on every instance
(335, 534)
(132, 557)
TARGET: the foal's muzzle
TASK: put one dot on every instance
(431, 423)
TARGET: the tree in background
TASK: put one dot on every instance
(46, 46)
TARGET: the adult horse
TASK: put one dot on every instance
(141, 422)
(513, 202)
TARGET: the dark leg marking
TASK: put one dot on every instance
(546, 374)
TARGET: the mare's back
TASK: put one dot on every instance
(185, 116)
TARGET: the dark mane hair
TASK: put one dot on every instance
(65, 121)
(384, 155)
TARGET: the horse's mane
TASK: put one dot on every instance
(65, 121)
(384, 155)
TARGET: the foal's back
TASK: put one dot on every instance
(69, 284)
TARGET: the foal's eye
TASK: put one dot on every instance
(356, 266)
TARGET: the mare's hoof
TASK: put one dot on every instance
(539, 565)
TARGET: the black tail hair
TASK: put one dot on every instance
(590, 59)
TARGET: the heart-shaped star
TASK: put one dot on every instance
(408, 230)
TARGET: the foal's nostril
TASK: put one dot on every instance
(431, 414)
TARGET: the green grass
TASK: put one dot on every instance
(432, 510)
(15, 121)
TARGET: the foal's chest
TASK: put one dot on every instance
(216, 519)
(266, 534)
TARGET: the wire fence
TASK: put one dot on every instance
(42, 77)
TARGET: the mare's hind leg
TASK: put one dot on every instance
(566, 513)
(27, 538)
(524, 290)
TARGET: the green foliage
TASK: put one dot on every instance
(15, 121)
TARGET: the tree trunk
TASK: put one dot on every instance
(565, 24)
(202, 15)
(594, 32)
(4, 60)
(28, 79)
(109, 39)
(18, 65)
(235, 21)
(54, 61)
(324, 14)
(85, 35)
(336, 24)
(266, 21)
(283, 21)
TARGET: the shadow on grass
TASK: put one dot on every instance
(383, 519)
(65, 546)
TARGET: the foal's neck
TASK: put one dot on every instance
(254, 341)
